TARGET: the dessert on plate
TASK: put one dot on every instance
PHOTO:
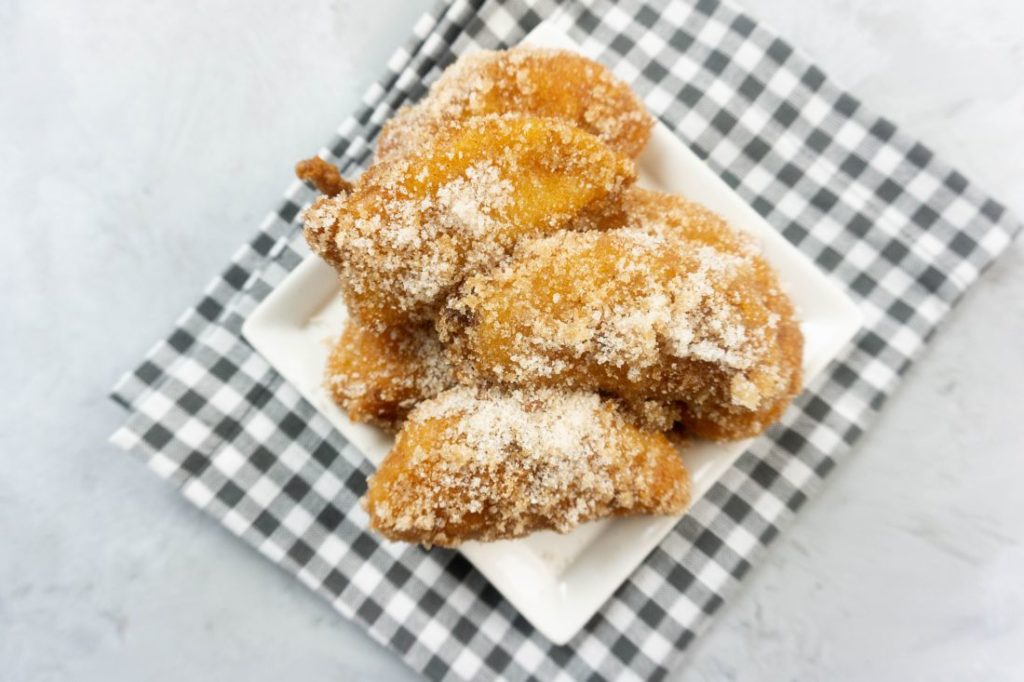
(416, 224)
(488, 464)
(541, 334)
(525, 80)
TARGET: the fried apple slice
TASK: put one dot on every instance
(525, 80)
(378, 377)
(640, 314)
(478, 464)
(414, 226)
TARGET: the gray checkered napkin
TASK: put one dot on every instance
(904, 233)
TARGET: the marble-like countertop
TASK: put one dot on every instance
(140, 143)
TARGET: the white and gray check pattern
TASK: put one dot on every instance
(906, 234)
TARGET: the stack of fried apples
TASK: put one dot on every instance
(541, 333)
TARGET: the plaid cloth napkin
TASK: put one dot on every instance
(906, 234)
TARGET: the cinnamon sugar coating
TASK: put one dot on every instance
(483, 464)
(644, 313)
(378, 377)
(415, 225)
(537, 329)
(525, 80)
(673, 216)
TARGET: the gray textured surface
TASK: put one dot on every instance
(139, 145)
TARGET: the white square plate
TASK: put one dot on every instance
(559, 581)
